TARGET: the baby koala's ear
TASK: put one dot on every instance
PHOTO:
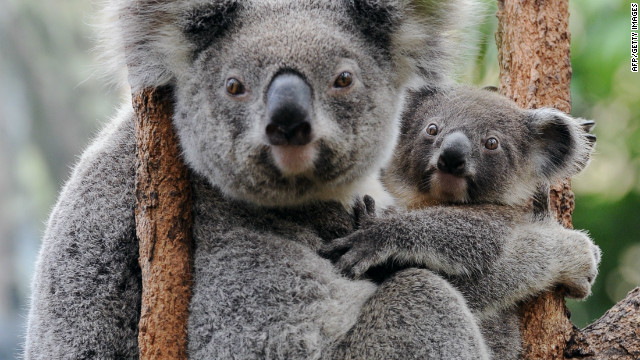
(561, 144)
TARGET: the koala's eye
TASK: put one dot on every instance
(345, 79)
(432, 129)
(235, 87)
(491, 144)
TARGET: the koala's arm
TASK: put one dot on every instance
(495, 255)
(86, 290)
(537, 256)
(453, 240)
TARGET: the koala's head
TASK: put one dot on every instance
(475, 146)
(284, 102)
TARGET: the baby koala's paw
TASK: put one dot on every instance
(355, 254)
(580, 265)
(364, 211)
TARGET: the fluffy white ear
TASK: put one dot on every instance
(145, 37)
(425, 37)
(435, 37)
(561, 146)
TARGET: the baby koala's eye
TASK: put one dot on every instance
(432, 129)
(234, 87)
(345, 79)
(491, 144)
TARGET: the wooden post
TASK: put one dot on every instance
(163, 226)
(535, 71)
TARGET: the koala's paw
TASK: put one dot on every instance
(355, 254)
(364, 211)
(580, 266)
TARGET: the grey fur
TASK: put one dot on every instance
(495, 252)
(260, 290)
(85, 301)
(261, 212)
(415, 314)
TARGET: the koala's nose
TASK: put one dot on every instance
(288, 111)
(454, 153)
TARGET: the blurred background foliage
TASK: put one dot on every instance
(52, 103)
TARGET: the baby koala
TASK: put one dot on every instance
(475, 154)
(470, 146)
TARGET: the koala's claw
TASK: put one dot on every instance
(579, 289)
(357, 261)
(350, 266)
(370, 205)
(364, 210)
(336, 249)
(587, 125)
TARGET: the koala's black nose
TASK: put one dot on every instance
(289, 111)
(454, 154)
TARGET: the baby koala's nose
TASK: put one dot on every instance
(289, 110)
(453, 154)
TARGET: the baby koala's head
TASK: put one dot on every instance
(463, 145)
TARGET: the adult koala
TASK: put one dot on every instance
(285, 110)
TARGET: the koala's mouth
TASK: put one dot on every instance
(448, 187)
(294, 160)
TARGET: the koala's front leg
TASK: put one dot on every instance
(415, 314)
(539, 256)
(454, 240)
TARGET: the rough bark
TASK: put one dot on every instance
(163, 226)
(615, 336)
(535, 71)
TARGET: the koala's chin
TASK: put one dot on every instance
(448, 188)
(294, 160)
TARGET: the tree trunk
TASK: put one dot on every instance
(535, 71)
(163, 226)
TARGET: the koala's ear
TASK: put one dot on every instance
(423, 37)
(561, 145)
(154, 40)
(377, 19)
(209, 21)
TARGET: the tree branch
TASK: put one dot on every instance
(163, 226)
(615, 336)
(535, 71)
